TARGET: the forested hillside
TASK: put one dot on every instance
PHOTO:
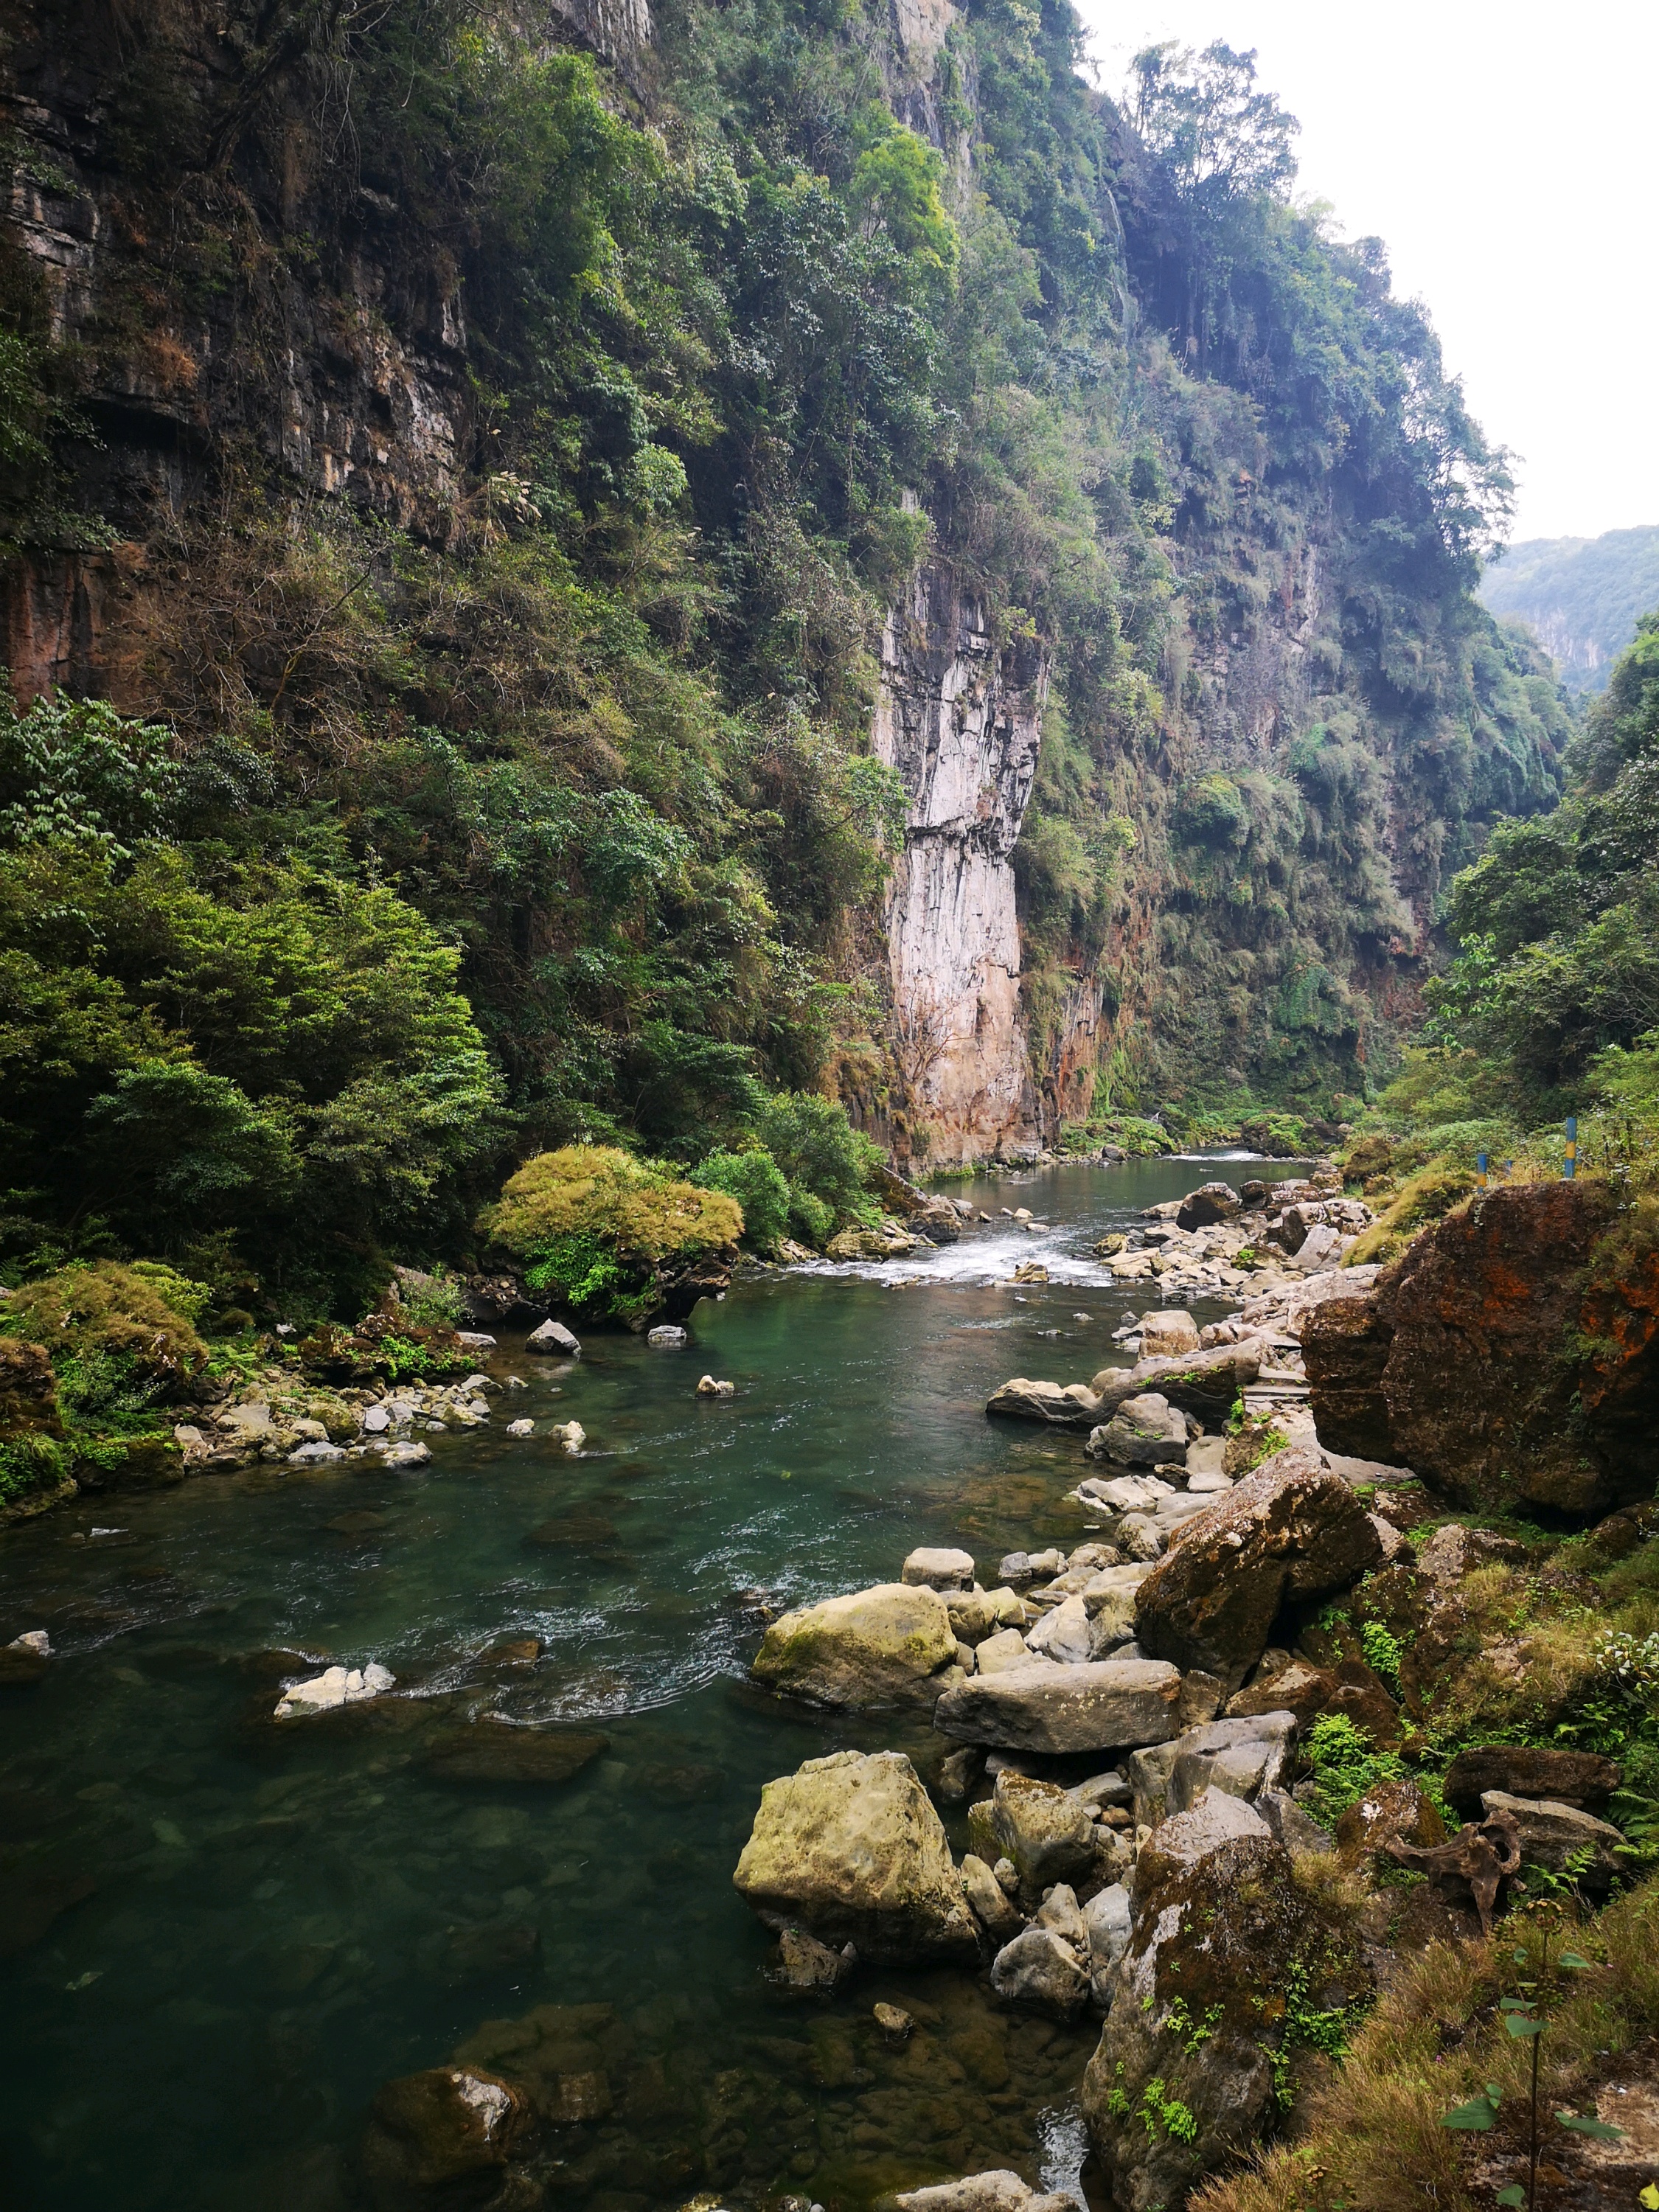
(471, 458)
(1579, 596)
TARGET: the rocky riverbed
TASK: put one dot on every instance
(983, 1713)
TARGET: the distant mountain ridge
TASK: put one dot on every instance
(1580, 596)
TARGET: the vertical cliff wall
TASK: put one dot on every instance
(959, 718)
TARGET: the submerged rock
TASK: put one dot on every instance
(851, 1847)
(440, 2139)
(806, 1965)
(871, 1647)
(494, 1750)
(999, 2191)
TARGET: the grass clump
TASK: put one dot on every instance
(1427, 1196)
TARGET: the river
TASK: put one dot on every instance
(223, 1936)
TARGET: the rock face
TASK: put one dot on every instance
(1182, 2080)
(850, 1847)
(960, 718)
(1290, 1530)
(874, 1647)
(1486, 1360)
(1100, 1707)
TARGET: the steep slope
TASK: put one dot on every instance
(809, 550)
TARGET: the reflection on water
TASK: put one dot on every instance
(219, 1937)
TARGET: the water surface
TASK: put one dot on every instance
(220, 1937)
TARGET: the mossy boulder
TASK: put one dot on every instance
(889, 1644)
(610, 1237)
(1229, 1942)
(851, 1847)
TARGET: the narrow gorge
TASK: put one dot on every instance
(829, 1149)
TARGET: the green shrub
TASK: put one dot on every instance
(1345, 1764)
(107, 1326)
(821, 1155)
(595, 1224)
(756, 1182)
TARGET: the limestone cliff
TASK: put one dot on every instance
(959, 717)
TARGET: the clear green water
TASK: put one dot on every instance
(277, 1920)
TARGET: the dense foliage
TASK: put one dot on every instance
(540, 811)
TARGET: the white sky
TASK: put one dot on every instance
(1507, 157)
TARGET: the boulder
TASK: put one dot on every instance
(872, 1647)
(1109, 1598)
(406, 1455)
(712, 1385)
(439, 2138)
(939, 1570)
(526, 1428)
(1001, 2192)
(1240, 1757)
(1103, 1705)
(1552, 1834)
(1293, 1686)
(1039, 1826)
(1041, 1971)
(999, 1652)
(957, 1774)
(977, 1613)
(1203, 1383)
(1183, 2079)
(1291, 1530)
(667, 1336)
(1068, 1633)
(1300, 1833)
(335, 1686)
(888, 1242)
(1122, 1493)
(493, 1752)
(1145, 1430)
(896, 2025)
(25, 1659)
(1462, 1363)
(1211, 1203)
(1031, 1566)
(1019, 1399)
(811, 1967)
(1168, 1335)
(1389, 1812)
(992, 1907)
(554, 1338)
(1106, 1918)
(851, 1848)
(1568, 1778)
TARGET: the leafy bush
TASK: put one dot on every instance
(1344, 1763)
(753, 1179)
(823, 1157)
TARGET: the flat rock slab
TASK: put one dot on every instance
(1569, 1778)
(1105, 1704)
(498, 1752)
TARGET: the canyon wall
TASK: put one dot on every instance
(959, 717)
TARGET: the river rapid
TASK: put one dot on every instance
(219, 1937)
